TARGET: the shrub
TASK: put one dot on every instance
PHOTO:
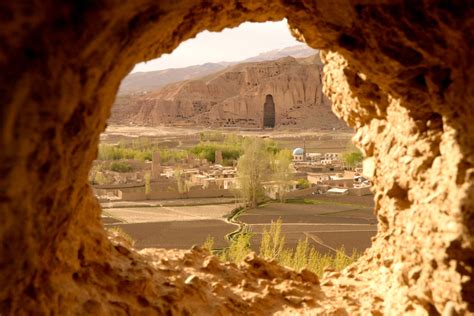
(120, 166)
(208, 150)
(96, 175)
(211, 136)
(303, 183)
(272, 248)
(208, 243)
(238, 248)
(119, 235)
(99, 178)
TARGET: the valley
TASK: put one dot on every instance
(168, 177)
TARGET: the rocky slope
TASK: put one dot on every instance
(151, 80)
(234, 97)
(138, 82)
(296, 51)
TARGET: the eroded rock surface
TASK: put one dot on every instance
(235, 97)
(400, 73)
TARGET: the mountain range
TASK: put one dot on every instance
(151, 80)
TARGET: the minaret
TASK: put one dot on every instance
(156, 165)
(304, 148)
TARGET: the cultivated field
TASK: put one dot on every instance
(171, 226)
(328, 225)
(177, 234)
(170, 213)
(328, 222)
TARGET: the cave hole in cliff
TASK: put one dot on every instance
(269, 112)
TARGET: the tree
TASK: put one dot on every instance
(272, 242)
(252, 169)
(147, 177)
(352, 156)
(180, 181)
(282, 172)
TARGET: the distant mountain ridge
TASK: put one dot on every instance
(148, 81)
(296, 51)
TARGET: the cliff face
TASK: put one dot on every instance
(235, 97)
(137, 82)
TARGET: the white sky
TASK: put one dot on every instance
(246, 40)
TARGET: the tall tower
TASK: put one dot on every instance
(156, 165)
(218, 157)
(304, 148)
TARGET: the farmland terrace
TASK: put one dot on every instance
(172, 226)
(328, 226)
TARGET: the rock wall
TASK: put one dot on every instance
(235, 97)
(400, 73)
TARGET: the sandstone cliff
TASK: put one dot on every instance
(137, 82)
(234, 97)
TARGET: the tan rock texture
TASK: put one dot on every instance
(235, 97)
(401, 73)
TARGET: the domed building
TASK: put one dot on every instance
(298, 154)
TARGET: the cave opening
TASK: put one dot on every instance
(269, 115)
(143, 160)
(417, 141)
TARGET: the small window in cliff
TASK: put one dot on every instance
(171, 163)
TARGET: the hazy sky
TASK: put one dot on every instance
(244, 41)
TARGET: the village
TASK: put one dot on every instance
(312, 173)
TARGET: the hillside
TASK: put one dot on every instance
(235, 97)
(152, 80)
(147, 81)
(297, 51)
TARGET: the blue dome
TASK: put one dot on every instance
(298, 151)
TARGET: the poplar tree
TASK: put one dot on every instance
(253, 167)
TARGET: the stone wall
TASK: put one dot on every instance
(139, 195)
(400, 73)
(302, 193)
(360, 191)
